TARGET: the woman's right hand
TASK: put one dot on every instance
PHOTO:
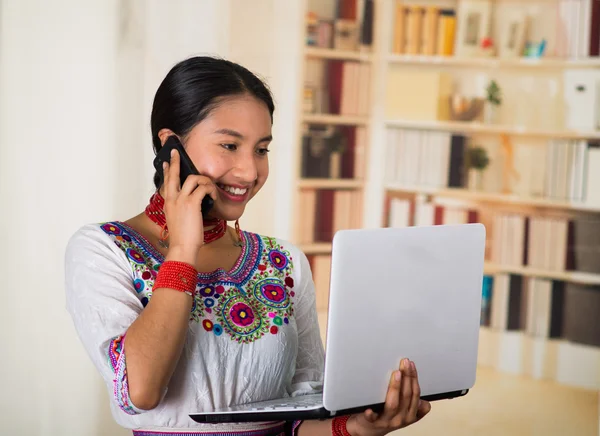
(403, 405)
(183, 210)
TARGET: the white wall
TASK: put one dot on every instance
(58, 155)
(76, 86)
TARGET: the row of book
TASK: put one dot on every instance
(563, 170)
(326, 211)
(337, 87)
(555, 244)
(579, 28)
(404, 212)
(571, 26)
(330, 152)
(349, 28)
(432, 159)
(420, 30)
(541, 308)
(570, 167)
(547, 243)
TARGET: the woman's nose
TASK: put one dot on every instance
(246, 169)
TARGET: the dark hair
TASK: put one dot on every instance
(193, 88)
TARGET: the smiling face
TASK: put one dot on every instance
(230, 146)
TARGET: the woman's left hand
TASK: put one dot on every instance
(403, 406)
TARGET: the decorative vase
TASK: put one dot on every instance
(490, 113)
(475, 179)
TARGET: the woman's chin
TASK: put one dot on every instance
(227, 214)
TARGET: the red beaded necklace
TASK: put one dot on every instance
(155, 211)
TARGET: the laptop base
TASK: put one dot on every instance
(252, 415)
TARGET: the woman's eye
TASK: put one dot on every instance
(231, 147)
(262, 151)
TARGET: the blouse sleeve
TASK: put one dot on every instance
(308, 378)
(103, 303)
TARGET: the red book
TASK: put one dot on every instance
(595, 28)
(347, 9)
(335, 79)
(438, 216)
(324, 217)
(349, 154)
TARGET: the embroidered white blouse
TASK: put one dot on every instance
(253, 331)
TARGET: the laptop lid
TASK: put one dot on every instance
(403, 292)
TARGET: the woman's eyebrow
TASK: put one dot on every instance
(236, 134)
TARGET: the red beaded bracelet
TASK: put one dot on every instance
(338, 426)
(176, 275)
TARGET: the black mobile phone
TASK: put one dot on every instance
(186, 167)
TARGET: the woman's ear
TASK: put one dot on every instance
(164, 134)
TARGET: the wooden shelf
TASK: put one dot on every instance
(316, 248)
(331, 183)
(338, 120)
(490, 197)
(330, 53)
(567, 276)
(493, 129)
(493, 62)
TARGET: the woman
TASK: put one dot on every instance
(230, 315)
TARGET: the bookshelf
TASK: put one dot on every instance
(487, 129)
(408, 146)
(329, 53)
(330, 183)
(491, 63)
(335, 120)
(493, 198)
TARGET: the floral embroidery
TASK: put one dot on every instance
(208, 325)
(271, 293)
(116, 357)
(111, 229)
(207, 291)
(135, 256)
(243, 321)
(254, 298)
(278, 259)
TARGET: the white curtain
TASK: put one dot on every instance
(76, 85)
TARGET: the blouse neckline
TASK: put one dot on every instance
(248, 256)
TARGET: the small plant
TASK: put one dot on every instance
(338, 142)
(494, 93)
(477, 158)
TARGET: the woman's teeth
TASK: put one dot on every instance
(234, 191)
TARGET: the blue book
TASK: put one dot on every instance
(486, 299)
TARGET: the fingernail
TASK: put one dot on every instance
(173, 152)
(412, 366)
(405, 364)
(164, 165)
(420, 403)
(397, 376)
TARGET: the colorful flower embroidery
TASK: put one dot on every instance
(116, 358)
(208, 325)
(278, 259)
(139, 285)
(243, 321)
(135, 256)
(252, 299)
(111, 229)
(271, 293)
(207, 291)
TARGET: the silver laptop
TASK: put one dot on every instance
(395, 292)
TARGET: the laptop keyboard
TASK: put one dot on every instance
(294, 403)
